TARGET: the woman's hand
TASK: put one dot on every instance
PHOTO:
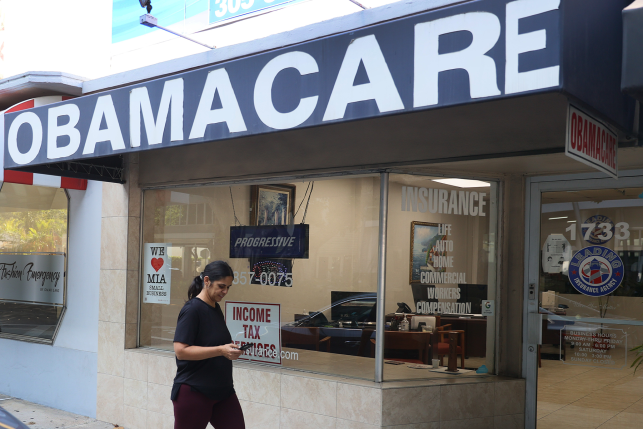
(230, 351)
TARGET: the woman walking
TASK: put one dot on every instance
(203, 390)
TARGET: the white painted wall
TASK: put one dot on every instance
(159, 46)
(64, 375)
(73, 36)
(79, 329)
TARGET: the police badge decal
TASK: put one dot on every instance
(596, 271)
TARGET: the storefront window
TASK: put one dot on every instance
(33, 245)
(441, 270)
(591, 301)
(305, 261)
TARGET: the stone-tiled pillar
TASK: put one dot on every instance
(114, 314)
(133, 252)
(511, 281)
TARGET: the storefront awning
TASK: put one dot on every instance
(29, 178)
(30, 85)
(422, 80)
(32, 90)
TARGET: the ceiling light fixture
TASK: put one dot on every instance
(463, 183)
(561, 217)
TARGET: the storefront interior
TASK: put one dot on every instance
(328, 300)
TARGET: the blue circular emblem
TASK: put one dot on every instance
(596, 271)
(602, 232)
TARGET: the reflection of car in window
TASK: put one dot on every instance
(354, 309)
(345, 327)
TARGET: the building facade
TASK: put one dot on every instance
(474, 165)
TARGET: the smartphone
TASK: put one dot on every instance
(245, 347)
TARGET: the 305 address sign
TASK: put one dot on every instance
(226, 9)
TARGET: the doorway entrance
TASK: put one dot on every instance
(584, 303)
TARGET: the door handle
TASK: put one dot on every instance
(535, 328)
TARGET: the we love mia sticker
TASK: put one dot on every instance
(157, 274)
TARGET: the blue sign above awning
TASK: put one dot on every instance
(221, 10)
(270, 241)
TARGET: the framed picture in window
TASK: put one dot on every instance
(272, 204)
(427, 250)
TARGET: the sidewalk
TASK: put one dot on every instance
(40, 417)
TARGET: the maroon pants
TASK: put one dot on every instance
(193, 410)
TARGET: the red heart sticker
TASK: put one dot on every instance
(157, 263)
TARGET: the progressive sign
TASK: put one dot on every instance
(270, 241)
(390, 68)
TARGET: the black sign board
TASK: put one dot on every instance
(269, 241)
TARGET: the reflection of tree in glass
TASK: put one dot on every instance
(174, 215)
(33, 231)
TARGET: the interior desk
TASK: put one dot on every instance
(358, 342)
(475, 334)
(348, 341)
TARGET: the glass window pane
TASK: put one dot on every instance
(591, 299)
(327, 299)
(31, 320)
(440, 268)
(33, 224)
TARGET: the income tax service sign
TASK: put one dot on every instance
(257, 323)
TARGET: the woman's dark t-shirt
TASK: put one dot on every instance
(202, 325)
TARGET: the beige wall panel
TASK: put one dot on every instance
(109, 399)
(111, 348)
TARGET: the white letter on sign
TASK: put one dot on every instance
(104, 108)
(69, 129)
(380, 88)
(304, 64)
(139, 104)
(36, 142)
(485, 28)
(218, 80)
(520, 43)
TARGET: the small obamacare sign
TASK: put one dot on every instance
(591, 142)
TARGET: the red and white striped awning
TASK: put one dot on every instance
(25, 178)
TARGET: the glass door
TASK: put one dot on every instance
(585, 305)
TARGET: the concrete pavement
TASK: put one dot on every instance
(40, 417)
